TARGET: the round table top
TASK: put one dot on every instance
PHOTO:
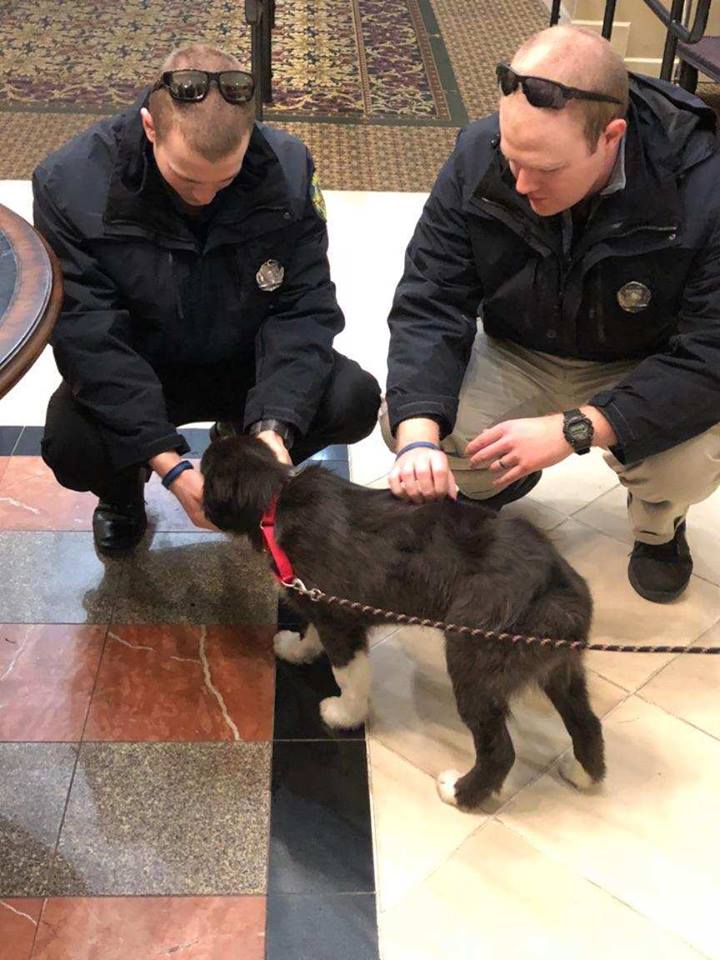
(30, 296)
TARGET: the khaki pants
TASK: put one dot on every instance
(504, 381)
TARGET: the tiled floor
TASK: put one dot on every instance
(149, 704)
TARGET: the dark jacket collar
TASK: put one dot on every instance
(138, 196)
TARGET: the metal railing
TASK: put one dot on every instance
(672, 19)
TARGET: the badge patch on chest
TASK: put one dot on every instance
(317, 197)
(634, 296)
(270, 276)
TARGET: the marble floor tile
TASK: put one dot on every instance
(414, 833)
(18, 924)
(689, 686)
(29, 441)
(31, 499)
(33, 789)
(146, 928)
(8, 439)
(413, 713)
(196, 578)
(498, 896)
(165, 818)
(570, 485)
(183, 682)
(370, 459)
(322, 927)
(55, 578)
(648, 836)
(47, 673)
(620, 615)
(320, 840)
(609, 514)
(4, 464)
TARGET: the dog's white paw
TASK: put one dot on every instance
(293, 648)
(337, 712)
(446, 786)
(572, 771)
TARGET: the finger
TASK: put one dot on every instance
(425, 478)
(452, 486)
(483, 439)
(492, 452)
(502, 463)
(441, 477)
(517, 473)
(395, 483)
(410, 484)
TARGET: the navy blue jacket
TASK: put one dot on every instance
(143, 292)
(479, 250)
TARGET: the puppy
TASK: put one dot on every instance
(442, 560)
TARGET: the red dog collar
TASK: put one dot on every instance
(283, 567)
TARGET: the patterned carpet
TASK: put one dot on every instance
(377, 88)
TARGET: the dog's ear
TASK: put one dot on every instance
(241, 477)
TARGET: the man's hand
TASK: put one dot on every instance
(421, 474)
(276, 444)
(187, 487)
(515, 448)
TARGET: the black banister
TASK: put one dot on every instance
(673, 21)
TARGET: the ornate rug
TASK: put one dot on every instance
(376, 88)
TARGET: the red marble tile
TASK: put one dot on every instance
(18, 924)
(184, 682)
(141, 928)
(47, 672)
(32, 499)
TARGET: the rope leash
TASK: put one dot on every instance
(317, 596)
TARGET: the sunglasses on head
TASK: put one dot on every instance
(540, 92)
(191, 86)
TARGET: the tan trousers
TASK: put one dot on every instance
(504, 381)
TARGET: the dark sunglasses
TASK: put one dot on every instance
(544, 93)
(191, 86)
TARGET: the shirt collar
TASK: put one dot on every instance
(618, 180)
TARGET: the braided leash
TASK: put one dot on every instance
(317, 596)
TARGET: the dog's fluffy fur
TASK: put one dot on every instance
(442, 560)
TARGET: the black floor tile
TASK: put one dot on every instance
(8, 439)
(340, 467)
(322, 928)
(165, 819)
(29, 443)
(55, 578)
(320, 837)
(34, 781)
(298, 692)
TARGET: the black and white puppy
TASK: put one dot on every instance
(441, 560)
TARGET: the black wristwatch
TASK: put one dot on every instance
(578, 430)
(277, 426)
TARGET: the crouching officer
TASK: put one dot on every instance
(582, 224)
(193, 246)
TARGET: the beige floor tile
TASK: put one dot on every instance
(412, 711)
(623, 616)
(689, 687)
(649, 836)
(573, 484)
(608, 514)
(497, 896)
(414, 832)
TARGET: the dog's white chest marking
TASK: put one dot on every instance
(292, 647)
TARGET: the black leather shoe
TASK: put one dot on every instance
(514, 492)
(661, 572)
(118, 527)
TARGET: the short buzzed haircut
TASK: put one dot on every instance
(212, 128)
(580, 58)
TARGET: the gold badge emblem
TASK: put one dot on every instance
(634, 296)
(317, 197)
(270, 276)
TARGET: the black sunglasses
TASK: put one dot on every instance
(191, 86)
(544, 93)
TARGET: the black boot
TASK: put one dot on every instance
(514, 492)
(119, 524)
(661, 572)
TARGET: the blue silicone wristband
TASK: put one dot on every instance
(415, 445)
(174, 472)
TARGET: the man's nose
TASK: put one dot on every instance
(523, 183)
(204, 196)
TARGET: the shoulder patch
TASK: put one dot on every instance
(317, 197)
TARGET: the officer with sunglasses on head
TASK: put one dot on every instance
(562, 291)
(193, 246)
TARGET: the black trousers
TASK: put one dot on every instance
(75, 445)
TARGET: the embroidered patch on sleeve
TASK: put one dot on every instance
(317, 197)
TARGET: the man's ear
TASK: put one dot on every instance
(615, 131)
(148, 124)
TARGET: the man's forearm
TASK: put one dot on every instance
(417, 428)
(604, 436)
